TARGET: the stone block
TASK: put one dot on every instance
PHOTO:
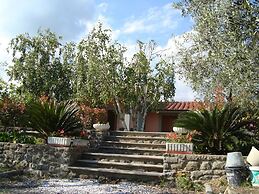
(219, 172)
(218, 165)
(171, 159)
(176, 166)
(166, 166)
(192, 166)
(205, 165)
(195, 175)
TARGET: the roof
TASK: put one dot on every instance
(181, 106)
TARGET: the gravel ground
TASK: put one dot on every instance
(76, 186)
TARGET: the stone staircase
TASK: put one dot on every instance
(125, 154)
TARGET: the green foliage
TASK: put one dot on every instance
(11, 113)
(50, 117)
(219, 131)
(42, 65)
(103, 75)
(223, 48)
(184, 183)
(99, 60)
(149, 79)
(17, 137)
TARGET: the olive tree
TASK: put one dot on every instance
(223, 48)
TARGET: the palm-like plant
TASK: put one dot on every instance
(219, 131)
(49, 117)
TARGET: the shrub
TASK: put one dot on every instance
(100, 115)
(49, 117)
(11, 113)
(219, 131)
(88, 116)
(17, 137)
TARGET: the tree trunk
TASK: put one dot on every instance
(141, 118)
(120, 113)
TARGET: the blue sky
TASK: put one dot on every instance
(130, 20)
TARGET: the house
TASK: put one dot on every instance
(161, 119)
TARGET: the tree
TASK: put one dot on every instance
(149, 79)
(100, 66)
(42, 65)
(223, 48)
(103, 76)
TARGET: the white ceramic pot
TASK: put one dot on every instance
(180, 130)
(253, 157)
(101, 127)
(179, 148)
(80, 142)
(59, 141)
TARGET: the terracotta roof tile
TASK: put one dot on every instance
(181, 106)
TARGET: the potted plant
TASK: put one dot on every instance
(54, 121)
(179, 143)
(59, 139)
(100, 118)
(83, 139)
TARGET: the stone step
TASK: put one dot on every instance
(134, 144)
(138, 133)
(138, 151)
(107, 172)
(124, 157)
(135, 138)
(119, 165)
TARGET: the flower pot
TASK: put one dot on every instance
(80, 142)
(234, 160)
(179, 148)
(255, 175)
(59, 141)
(253, 157)
(180, 130)
(101, 127)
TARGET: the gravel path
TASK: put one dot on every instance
(76, 186)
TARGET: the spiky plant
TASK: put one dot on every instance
(50, 116)
(219, 130)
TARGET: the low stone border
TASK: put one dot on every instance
(11, 173)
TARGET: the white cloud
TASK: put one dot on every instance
(61, 16)
(156, 20)
(183, 91)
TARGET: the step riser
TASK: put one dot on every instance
(125, 145)
(144, 134)
(135, 152)
(114, 175)
(123, 158)
(147, 141)
(153, 169)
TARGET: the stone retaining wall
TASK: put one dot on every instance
(199, 167)
(43, 159)
(40, 160)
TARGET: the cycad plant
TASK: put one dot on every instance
(219, 130)
(50, 117)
